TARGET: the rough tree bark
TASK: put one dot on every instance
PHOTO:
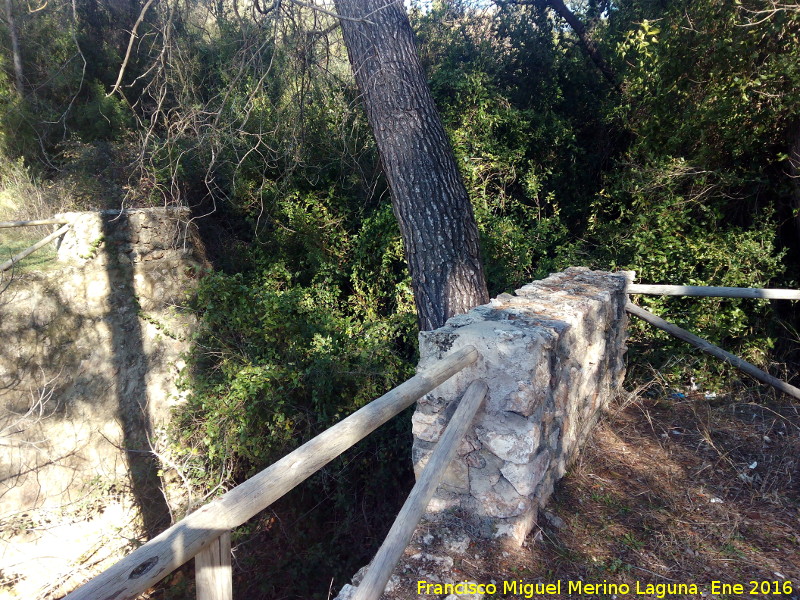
(437, 224)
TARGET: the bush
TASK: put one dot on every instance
(277, 363)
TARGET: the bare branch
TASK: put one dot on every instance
(130, 47)
(330, 13)
(34, 10)
(767, 14)
(584, 38)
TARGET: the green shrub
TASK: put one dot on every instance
(277, 363)
(669, 222)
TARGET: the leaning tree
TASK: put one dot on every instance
(439, 232)
(438, 228)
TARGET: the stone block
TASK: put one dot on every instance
(509, 437)
(525, 477)
(551, 357)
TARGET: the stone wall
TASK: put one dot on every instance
(552, 357)
(90, 355)
(136, 236)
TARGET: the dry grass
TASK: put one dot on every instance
(691, 491)
(23, 198)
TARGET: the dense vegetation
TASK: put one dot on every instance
(685, 169)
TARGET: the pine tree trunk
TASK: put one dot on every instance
(430, 202)
(15, 52)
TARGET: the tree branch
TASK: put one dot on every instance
(584, 38)
(130, 47)
(330, 13)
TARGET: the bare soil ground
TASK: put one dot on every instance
(682, 490)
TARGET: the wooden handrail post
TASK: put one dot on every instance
(58, 240)
(383, 564)
(213, 573)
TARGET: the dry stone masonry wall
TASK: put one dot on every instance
(90, 354)
(551, 356)
(135, 236)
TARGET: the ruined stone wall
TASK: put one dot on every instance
(552, 357)
(90, 354)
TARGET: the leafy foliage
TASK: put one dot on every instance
(710, 99)
(282, 360)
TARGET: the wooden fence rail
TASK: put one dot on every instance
(160, 556)
(7, 224)
(43, 242)
(391, 550)
(713, 350)
(718, 292)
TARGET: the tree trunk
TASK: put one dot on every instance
(17, 58)
(585, 39)
(430, 202)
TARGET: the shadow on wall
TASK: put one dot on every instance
(89, 356)
(129, 354)
(36, 364)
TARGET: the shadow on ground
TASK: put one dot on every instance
(672, 492)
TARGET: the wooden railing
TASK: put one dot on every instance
(705, 345)
(43, 242)
(712, 291)
(399, 536)
(7, 224)
(205, 534)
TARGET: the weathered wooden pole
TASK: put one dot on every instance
(711, 291)
(713, 350)
(383, 564)
(7, 224)
(213, 573)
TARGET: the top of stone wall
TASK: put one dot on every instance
(555, 303)
(576, 282)
(130, 236)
